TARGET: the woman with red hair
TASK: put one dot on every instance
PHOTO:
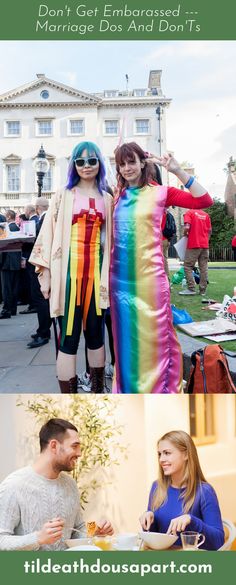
(147, 353)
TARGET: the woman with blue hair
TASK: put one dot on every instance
(71, 256)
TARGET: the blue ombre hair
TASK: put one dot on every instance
(92, 150)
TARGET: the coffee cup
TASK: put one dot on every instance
(126, 541)
(192, 540)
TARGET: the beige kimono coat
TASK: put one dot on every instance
(51, 249)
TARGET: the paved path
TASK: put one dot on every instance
(28, 370)
(24, 370)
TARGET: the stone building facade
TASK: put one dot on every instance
(57, 116)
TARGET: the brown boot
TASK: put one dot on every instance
(97, 379)
(69, 386)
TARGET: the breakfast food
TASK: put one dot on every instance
(91, 528)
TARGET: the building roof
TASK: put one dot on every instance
(42, 82)
(26, 95)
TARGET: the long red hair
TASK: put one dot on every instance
(127, 152)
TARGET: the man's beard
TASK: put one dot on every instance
(62, 466)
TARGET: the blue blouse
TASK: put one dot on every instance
(205, 514)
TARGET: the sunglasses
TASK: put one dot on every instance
(90, 160)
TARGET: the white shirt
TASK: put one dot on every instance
(28, 500)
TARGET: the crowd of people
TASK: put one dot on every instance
(19, 283)
(97, 249)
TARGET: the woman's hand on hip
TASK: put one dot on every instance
(146, 520)
(44, 278)
(179, 524)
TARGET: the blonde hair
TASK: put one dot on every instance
(192, 477)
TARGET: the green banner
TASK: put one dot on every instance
(168, 568)
(118, 20)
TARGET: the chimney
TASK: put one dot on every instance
(155, 79)
(40, 75)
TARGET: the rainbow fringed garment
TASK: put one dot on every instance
(83, 266)
(147, 353)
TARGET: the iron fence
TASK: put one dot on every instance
(219, 253)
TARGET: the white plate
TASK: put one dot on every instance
(84, 547)
(158, 540)
(72, 542)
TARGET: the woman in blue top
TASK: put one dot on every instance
(181, 499)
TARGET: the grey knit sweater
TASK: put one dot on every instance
(28, 500)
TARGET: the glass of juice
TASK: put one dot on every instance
(103, 542)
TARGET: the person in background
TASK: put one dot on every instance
(197, 228)
(24, 293)
(233, 243)
(165, 245)
(181, 498)
(10, 273)
(40, 504)
(31, 215)
(168, 228)
(2, 219)
(42, 335)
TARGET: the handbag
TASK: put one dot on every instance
(210, 372)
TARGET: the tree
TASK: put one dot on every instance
(222, 225)
(101, 436)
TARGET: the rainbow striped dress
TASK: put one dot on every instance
(148, 356)
(83, 274)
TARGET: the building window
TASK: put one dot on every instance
(44, 128)
(12, 128)
(201, 419)
(47, 180)
(111, 93)
(111, 127)
(142, 126)
(45, 94)
(76, 127)
(139, 92)
(13, 178)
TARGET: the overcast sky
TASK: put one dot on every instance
(199, 77)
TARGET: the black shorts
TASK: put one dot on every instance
(94, 333)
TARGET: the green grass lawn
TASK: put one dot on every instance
(221, 282)
(230, 264)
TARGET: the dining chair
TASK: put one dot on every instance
(230, 534)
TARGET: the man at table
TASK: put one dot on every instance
(39, 504)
